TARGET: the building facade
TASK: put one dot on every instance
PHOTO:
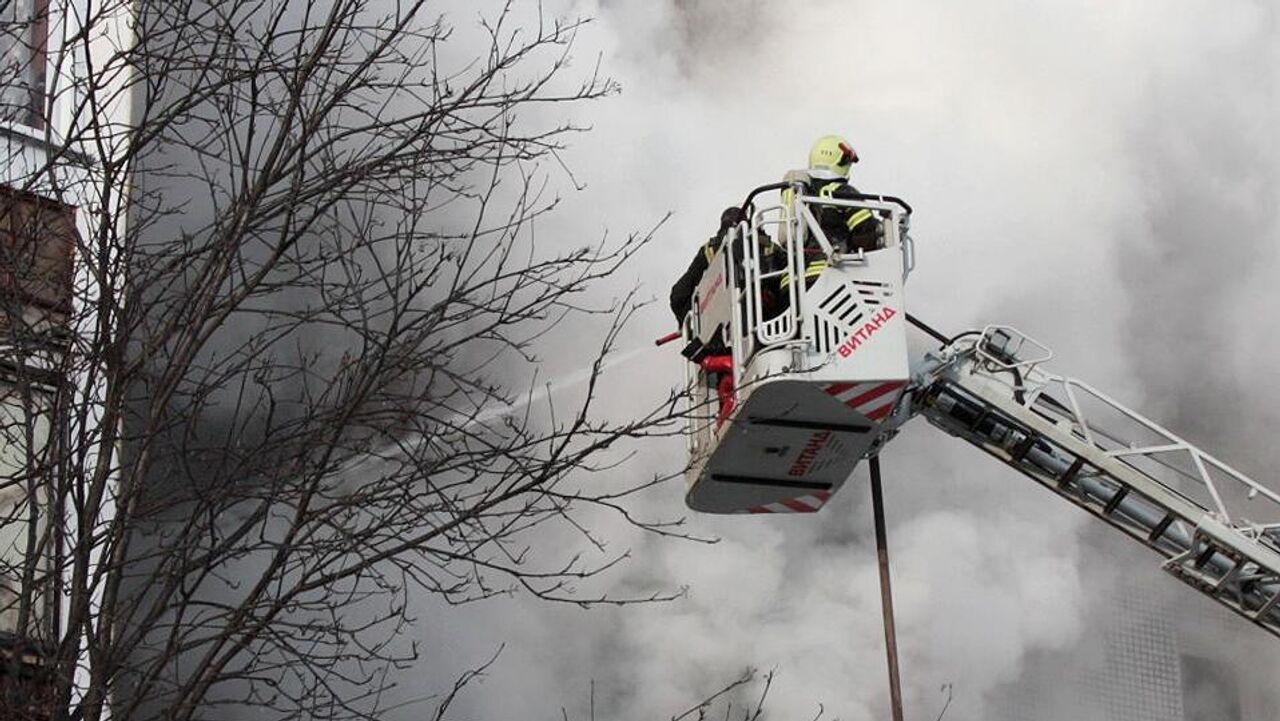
(1151, 649)
(50, 202)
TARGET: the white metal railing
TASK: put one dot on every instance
(1086, 411)
(1211, 545)
(783, 326)
(794, 225)
(789, 227)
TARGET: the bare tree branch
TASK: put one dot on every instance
(308, 271)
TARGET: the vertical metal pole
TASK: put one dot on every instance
(886, 592)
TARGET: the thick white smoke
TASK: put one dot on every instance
(1051, 151)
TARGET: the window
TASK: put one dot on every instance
(23, 42)
(36, 243)
(37, 238)
(24, 436)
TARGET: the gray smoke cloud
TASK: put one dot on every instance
(1199, 268)
(1099, 175)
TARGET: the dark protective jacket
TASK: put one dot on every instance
(848, 229)
(682, 291)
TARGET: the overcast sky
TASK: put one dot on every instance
(1102, 175)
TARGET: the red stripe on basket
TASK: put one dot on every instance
(873, 394)
(836, 389)
(881, 412)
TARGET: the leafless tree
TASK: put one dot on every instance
(307, 271)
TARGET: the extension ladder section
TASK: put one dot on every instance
(1140, 478)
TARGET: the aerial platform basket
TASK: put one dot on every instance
(819, 368)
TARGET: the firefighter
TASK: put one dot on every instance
(714, 357)
(770, 260)
(848, 229)
(682, 291)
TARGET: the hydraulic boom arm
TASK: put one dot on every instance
(815, 374)
(989, 389)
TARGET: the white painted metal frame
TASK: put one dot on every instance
(790, 225)
(793, 225)
(784, 326)
(1230, 558)
(1036, 382)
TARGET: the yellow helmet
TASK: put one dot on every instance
(833, 154)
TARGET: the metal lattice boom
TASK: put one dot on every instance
(1116, 464)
